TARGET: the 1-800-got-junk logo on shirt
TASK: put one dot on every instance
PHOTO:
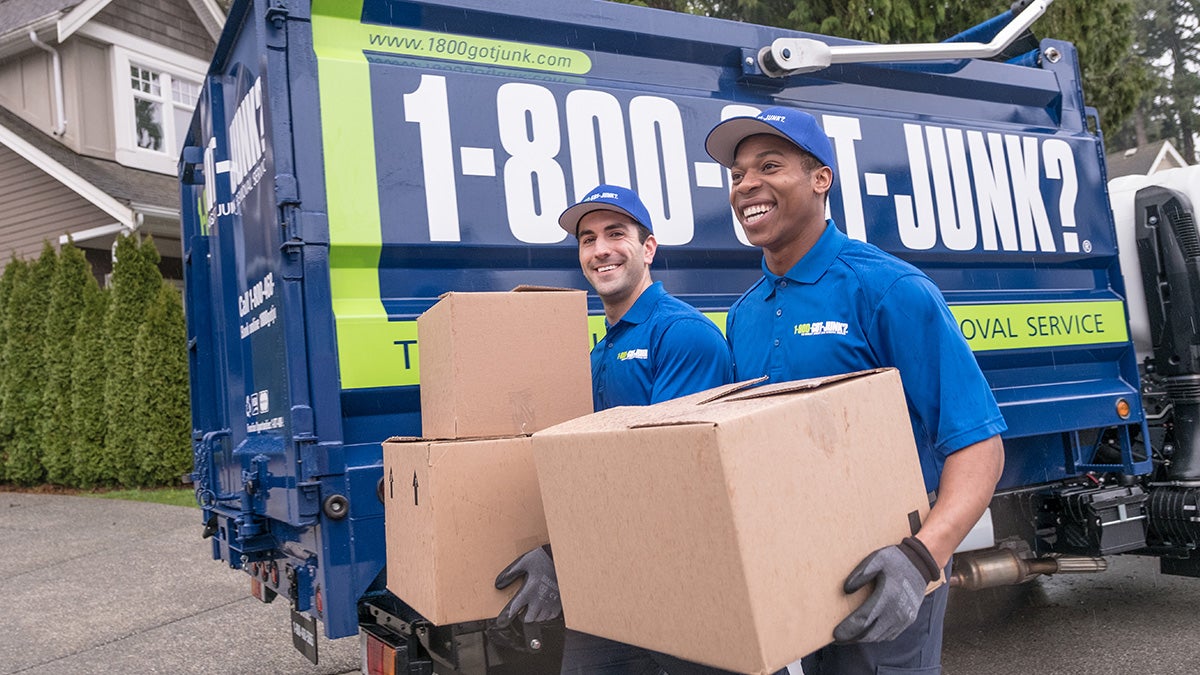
(633, 354)
(821, 328)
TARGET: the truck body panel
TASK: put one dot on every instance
(350, 161)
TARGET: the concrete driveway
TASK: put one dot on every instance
(106, 586)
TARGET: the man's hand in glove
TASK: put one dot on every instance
(901, 574)
(538, 597)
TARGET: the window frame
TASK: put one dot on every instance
(125, 120)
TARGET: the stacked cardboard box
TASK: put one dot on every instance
(719, 527)
(503, 364)
(462, 502)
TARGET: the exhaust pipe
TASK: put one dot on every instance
(1005, 567)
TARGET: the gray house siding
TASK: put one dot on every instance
(89, 107)
(168, 22)
(25, 88)
(37, 208)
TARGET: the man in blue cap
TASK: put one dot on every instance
(656, 348)
(873, 310)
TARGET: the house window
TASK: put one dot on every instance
(154, 92)
(162, 108)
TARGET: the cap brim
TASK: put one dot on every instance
(569, 220)
(723, 140)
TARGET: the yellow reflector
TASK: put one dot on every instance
(1123, 408)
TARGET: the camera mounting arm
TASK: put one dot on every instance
(792, 56)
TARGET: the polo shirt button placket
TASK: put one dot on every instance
(779, 314)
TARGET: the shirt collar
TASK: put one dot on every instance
(812, 266)
(644, 305)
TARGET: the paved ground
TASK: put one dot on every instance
(105, 586)
(1130, 619)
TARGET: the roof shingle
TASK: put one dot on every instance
(17, 14)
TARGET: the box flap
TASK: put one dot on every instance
(431, 441)
(522, 288)
(733, 401)
(610, 419)
(728, 389)
(670, 423)
(792, 386)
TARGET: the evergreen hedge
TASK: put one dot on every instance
(93, 382)
(14, 275)
(25, 369)
(162, 384)
(88, 421)
(135, 283)
(66, 304)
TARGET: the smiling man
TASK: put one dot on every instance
(827, 304)
(656, 348)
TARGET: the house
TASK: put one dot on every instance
(1144, 160)
(95, 96)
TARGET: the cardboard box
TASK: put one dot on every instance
(719, 527)
(503, 364)
(456, 514)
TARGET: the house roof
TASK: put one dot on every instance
(18, 14)
(1144, 159)
(133, 188)
(66, 16)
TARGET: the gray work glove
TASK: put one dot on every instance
(900, 573)
(538, 597)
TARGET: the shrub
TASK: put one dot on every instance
(164, 448)
(25, 369)
(66, 304)
(88, 421)
(15, 274)
(135, 283)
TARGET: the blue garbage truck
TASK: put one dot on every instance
(351, 160)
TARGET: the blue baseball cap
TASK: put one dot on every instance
(606, 198)
(798, 127)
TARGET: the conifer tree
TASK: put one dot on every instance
(135, 283)
(162, 384)
(66, 304)
(15, 274)
(26, 367)
(1168, 39)
(88, 421)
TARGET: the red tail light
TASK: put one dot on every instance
(379, 658)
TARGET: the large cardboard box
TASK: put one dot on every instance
(456, 513)
(719, 527)
(503, 364)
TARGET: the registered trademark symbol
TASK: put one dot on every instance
(1087, 245)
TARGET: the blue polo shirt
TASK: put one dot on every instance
(848, 306)
(663, 348)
